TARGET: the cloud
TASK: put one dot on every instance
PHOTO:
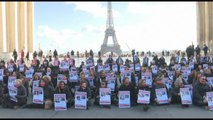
(94, 29)
(97, 9)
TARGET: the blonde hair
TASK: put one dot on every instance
(19, 81)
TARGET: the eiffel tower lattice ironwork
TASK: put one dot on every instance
(115, 47)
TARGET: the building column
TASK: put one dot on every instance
(10, 25)
(1, 29)
(210, 8)
(200, 23)
(21, 26)
(30, 26)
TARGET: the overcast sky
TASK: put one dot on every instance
(144, 26)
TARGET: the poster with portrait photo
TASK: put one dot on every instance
(115, 68)
(100, 68)
(80, 100)
(210, 80)
(89, 63)
(73, 76)
(21, 67)
(137, 67)
(167, 82)
(177, 67)
(154, 69)
(60, 103)
(1, 74)
(122, 68)
(11, 81)
(10, 67)
(131, 67)
(171, 74)
(105, 96)
(143, 97)
(39, 74)
(147, 76)
(161, 95)
(205, 66)
(190, 88)
(111, 83)
(38, 95)
(185, 95)
(35, 84)
(124, 99)
(64, 65)
(61, 77)
(90, 79)
(106, 67)
(12, 93)
(29, 74)
(191, 65)
(210, 100)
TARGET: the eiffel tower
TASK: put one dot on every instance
(115, 47)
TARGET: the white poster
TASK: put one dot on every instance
(205, 66)
(147, 76)
(161, 95)
(186, 97)
(39, 74)
(190, 88)
(80, 100)
(210, 81)
(73, 76)
(13, 93)
(154, 69)
(89, 63)
(100, 68)
(64, 65)
(21, 68)
(167, 82)
(29, 74)
(111, 83)
(124, 99)
(115, 68)
(131, 68)
(60, 102)
(10, 67)
(38, 95)
(177, 67)
(35, 83)
(171, 74)
(1, 74)
(137, 67)
(191, 65)
(122, 68)
(105, 96)
(143, 97)
(90, 79)
(61, 77)
(106, 67)
(210, 100)
(11, 81)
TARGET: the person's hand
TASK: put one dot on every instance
(169, 100)
(178, 94)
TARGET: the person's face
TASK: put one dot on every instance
(84, 85)
(181, 84)
(126, 81)
(17, 84)
(202, 80)
(42, 83)
(62, 85)
(82, 76)
(143, 83)
(103, 74)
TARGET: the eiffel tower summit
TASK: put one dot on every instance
(115, 47)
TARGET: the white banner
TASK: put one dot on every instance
(11, 81)
(61, 77)
(210, 100)
(111, 83)
(13, 93)
(73, 76)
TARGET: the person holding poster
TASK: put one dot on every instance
(63, 89)
(127, 86)
(85, 88)
(199, 92)
(176, 98)
(159, 84)
(97, 94)
(143, 86)
(48, 92)
(21, 96)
